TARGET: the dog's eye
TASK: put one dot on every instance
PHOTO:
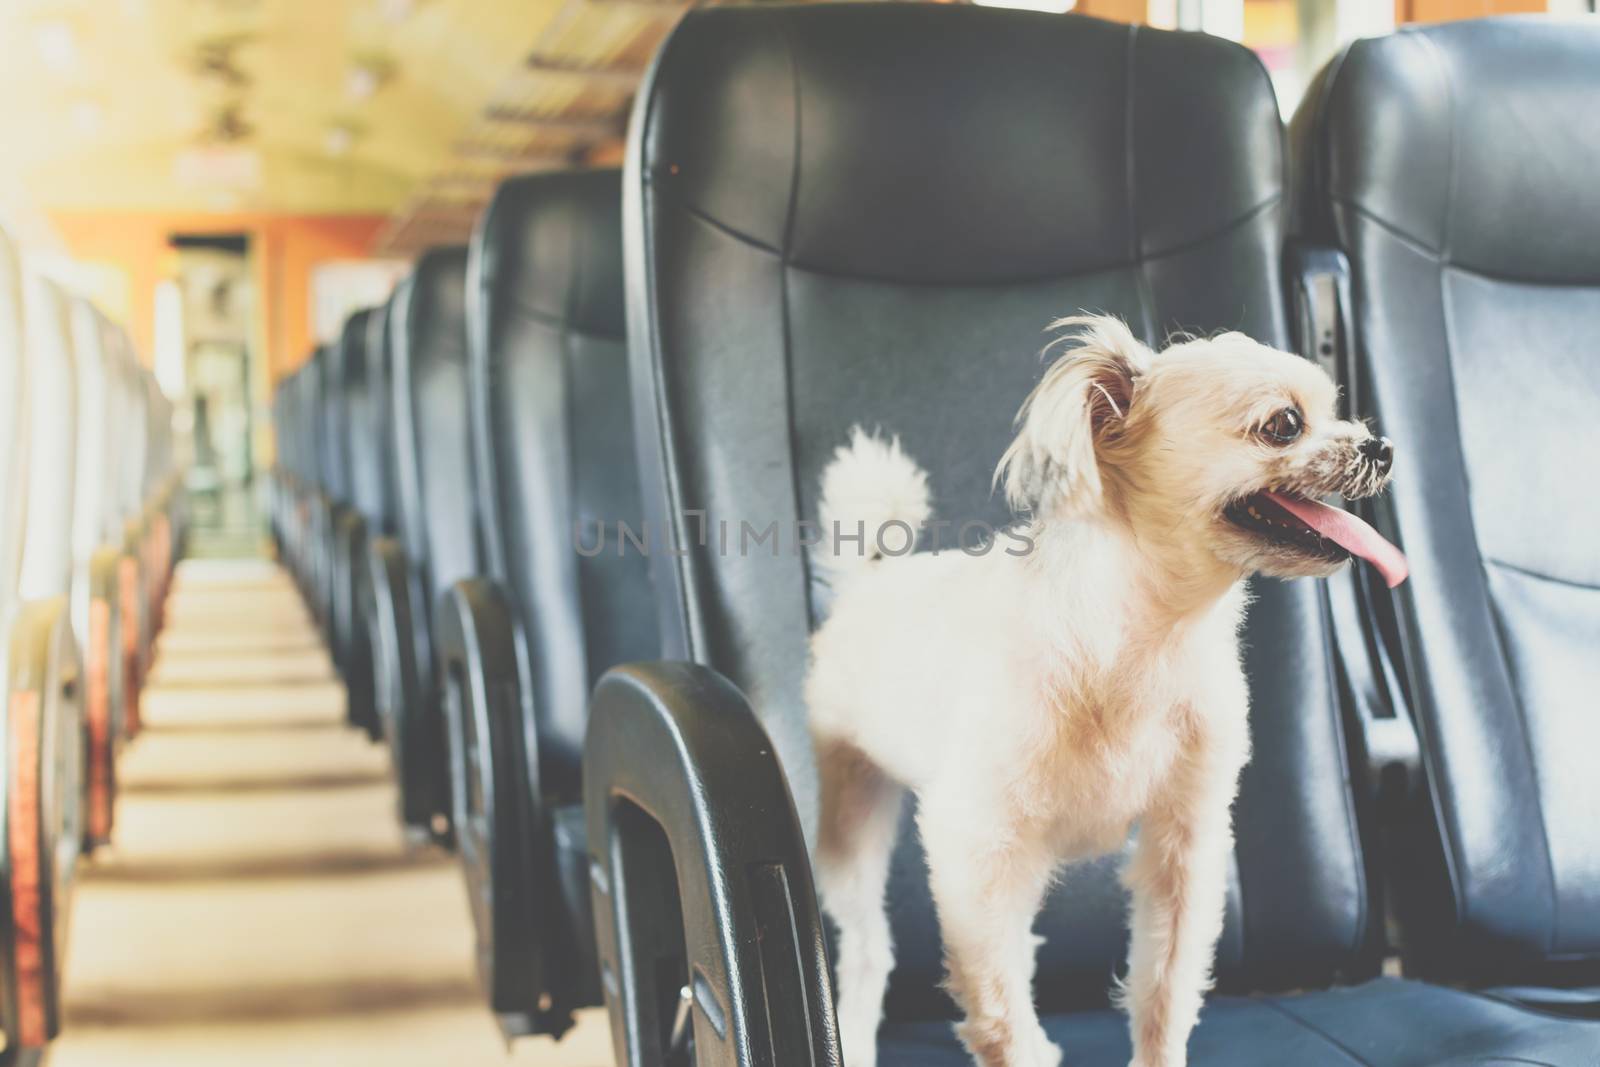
(1284, 427)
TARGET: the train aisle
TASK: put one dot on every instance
(258, 904)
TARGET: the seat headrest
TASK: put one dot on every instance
(552, 244)
(435, 307)
(1469, 140)
(52, 450)
(826, 153)
(353, 346)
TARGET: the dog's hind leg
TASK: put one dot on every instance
(856, 837)
(988, 887)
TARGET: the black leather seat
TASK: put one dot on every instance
(334, 460)
(288, 439)
(866, 214)
(278, 516)
(555, 462)
(97, 551)
(1455, 166)
(373, 489)
(318, 493)
(438, 539)
(40, 667)
(301, 449)
(129, 615)
(363, 453)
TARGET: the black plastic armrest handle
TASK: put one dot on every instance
(397, 677)
(43, 716)
(703, 899)
(501, 826)
(1322, 312)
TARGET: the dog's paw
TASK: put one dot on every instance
(1040, 1051)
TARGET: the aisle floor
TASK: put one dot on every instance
(258, 904)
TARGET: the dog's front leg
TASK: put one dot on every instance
(1178, 877)
(988, 895)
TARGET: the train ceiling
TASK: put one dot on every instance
(409, 108)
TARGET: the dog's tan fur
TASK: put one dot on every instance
(1042, 705)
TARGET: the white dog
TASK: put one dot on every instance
(1080, 677)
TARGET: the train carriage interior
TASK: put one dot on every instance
(430, 635)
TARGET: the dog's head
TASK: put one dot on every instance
(1215, 450)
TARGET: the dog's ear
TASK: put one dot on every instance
(1080, 404)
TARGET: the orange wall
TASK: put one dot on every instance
(1115, 10)
(285, 249)
(1445, 10)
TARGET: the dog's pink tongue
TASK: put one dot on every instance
(1350, 533)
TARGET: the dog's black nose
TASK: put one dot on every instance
(1379, 451)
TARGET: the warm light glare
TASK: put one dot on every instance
(57, 44)
(1053, 7)
(395, 10)
(337, 141)
(86, 118)
(360, 82)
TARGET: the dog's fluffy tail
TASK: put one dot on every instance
(874, 503)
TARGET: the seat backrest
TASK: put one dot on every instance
(90, 502)
(432, 422)
(554, 435)
(89, 340)
(365, 400)
(372, 415)
(116, 349)
(134, 434)
(1456, 166)
(52, 452)
(15, 424)
(965, 177)
(333, 458)
(317, 418)
(158, 454)
(302, 440)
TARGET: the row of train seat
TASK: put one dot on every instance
(91, 522)
(866, 214)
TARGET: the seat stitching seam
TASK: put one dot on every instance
(680, 566)
(1540, 575)
(1307, 1025)
(1416, 244)
(1455, 144)
(1249, 215)
(545, 318)
(1512, 279)
(1135, 239)
(1531, 1007)
(790, 429)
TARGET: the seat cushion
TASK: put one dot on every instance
(1388, 1022)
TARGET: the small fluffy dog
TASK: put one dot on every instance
(1041, 703)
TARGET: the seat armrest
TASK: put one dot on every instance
(701, 880)
(398, 684)
(1320, 312)
(503, 831)
(353, 640)
(41, 798)
(103, 678)
(346, 531)
(1363, 625)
